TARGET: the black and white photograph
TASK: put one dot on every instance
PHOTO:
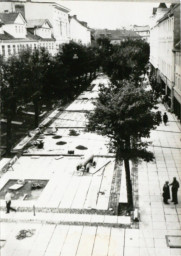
(90, 128)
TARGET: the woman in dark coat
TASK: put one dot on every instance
(166, 192)
(175, 186)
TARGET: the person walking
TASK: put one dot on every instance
(165, 118)
(8, 202)
(158, 117)
(175, 186)
(166, 192)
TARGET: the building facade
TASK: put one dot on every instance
(33, 10)
(16, 35)
(38, 24)
(79, 31)
(143, 31)
(165, 55)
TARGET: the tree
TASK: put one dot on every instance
(34, 66)
(73, 63)
(127, 61)
(125, 115)
(9, 95)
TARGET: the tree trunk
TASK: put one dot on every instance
(36, 108)
(8, 135)
(128, 183)
(128, 176)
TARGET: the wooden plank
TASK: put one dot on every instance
(116, 242)
(91, 199)
(87, 241)
(25, 245)
(70, 192)
(101, 242)
(42, 241)
(72, 241)
(103, 199)
(61, 185)
(6, 230)
(56, 243)
(80, 196)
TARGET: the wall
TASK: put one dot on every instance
(79, 33)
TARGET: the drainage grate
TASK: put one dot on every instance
(173, 241)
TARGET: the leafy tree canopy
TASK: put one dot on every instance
(125, 116)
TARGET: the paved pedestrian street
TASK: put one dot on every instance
(72, 214)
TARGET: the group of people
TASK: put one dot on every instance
(166, 191)
(159, 117)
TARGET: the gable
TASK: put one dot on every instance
(46, 25)
(20, 20)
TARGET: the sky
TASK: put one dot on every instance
(111, 14)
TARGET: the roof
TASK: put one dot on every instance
(141, 28)
(6, 36)
(30, 35)
(169, 13)
(37, 23)
(83, 23)
(162, 5)
(8, 18)
(116, 34)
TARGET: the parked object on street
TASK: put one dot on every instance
(175, 186)
(86, 163)
(166, 192)
(165, 118)
(8, 197)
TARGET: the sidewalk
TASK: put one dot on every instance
(157, 220)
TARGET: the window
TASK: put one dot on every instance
(9, 49)
(14, 49)
(3, 50)
(60, 28)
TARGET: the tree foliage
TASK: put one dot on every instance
(125, 61)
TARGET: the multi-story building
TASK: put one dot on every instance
(143, 31)
(79, 31)
(165, 55)
(33, 10)
(16, 34)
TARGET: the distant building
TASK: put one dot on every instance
(55, 13)
(165, 55)
(79, 31)
(143, 31)
(116, 36)
(15, 35)
(31, 23)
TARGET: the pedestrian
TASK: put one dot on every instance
(158, 117)
(165, 118)
(175, 186)
(8, 202)
(166, 192)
